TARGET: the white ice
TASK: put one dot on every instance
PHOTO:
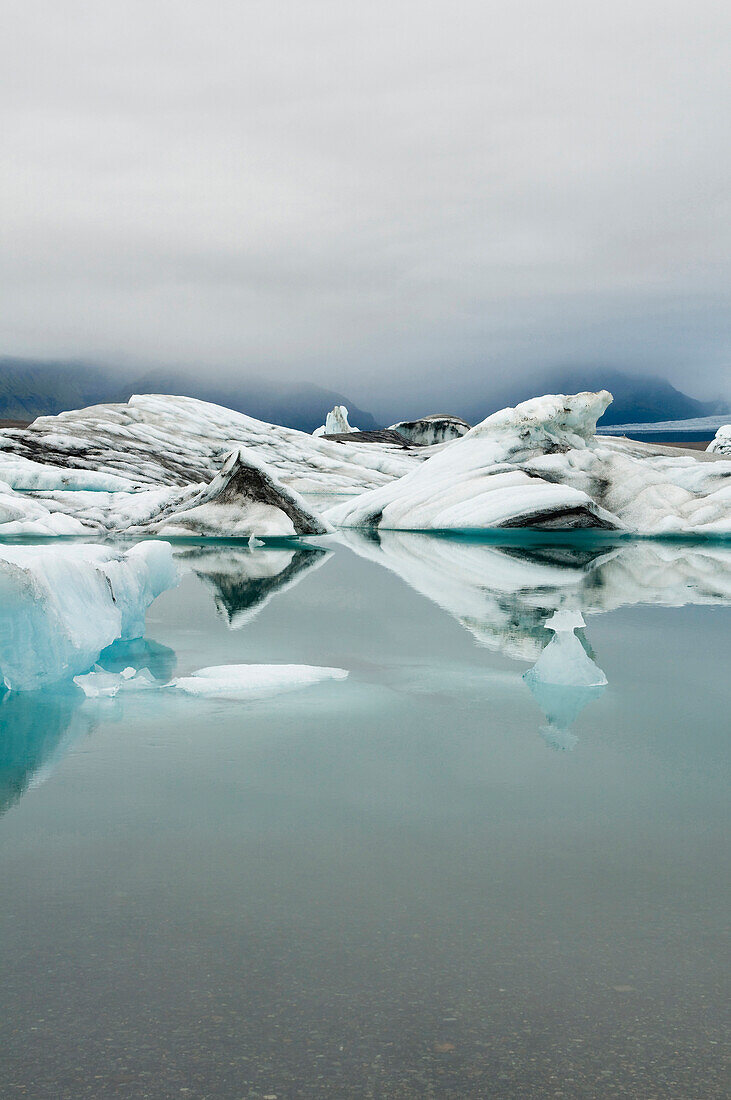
(336, 423)
(99, 683)
(152, 466)
(721, 443)
(564, 660)
(253, 681)
(428, 430)
(245, 499)
(541, 464)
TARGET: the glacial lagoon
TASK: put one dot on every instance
(474, 867)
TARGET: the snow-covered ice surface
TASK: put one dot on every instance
(243, 500)
(721, 443)
(542, 465)
(125, 468)
(158, 440)
(63, 604)
(176, 466)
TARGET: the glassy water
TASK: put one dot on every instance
(440, 877)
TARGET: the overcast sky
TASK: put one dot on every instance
(369, 194)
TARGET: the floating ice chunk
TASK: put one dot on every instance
(564, 660)
(253, 681)
(100, 684)
(564, 679)
(169, 445)
(564, 619)
(537, 465)
(480, 480)
(60, 606)
(254, 542)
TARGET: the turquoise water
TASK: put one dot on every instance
(436, 878)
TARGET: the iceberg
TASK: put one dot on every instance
(541, 465)
(721, 443)
(243, 500)
(62, 605)
(336, 423)
(181, 467)
(161, 440)
(564, 660)
(435, 428)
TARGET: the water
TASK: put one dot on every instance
(433, 879)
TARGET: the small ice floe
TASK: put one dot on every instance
(564, 679)
(100, 684)
(253, 681)
(564, 660)
(254, 542)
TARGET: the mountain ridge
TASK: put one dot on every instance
(31, 388)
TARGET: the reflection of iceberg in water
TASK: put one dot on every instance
(244, 581)
(139, 653)
(36, 730)
(501, 594)
(564, 679)
(38, 727)
(503, 591)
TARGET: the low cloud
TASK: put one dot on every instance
(368, 195)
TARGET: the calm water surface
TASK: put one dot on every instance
(432, 879)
